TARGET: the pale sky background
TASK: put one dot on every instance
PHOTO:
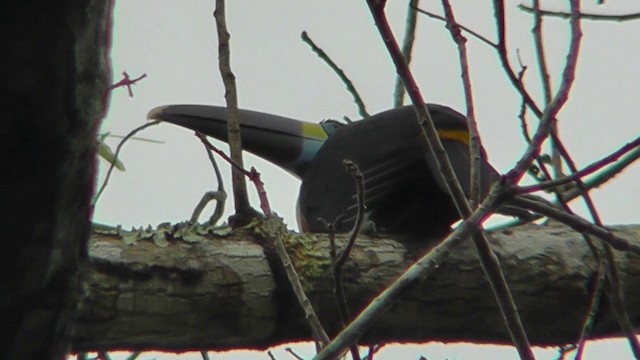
(175, 43)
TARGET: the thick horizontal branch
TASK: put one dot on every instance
(221, 292)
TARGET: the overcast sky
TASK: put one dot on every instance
(174, 43)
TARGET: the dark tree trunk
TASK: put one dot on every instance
(55, 78)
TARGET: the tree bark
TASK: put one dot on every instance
(214, 292)
(55, 78)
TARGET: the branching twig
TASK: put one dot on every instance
(614, 289)
(488, 259)
(350, 87)
(590, 169)
(577, 223)
(253, 174)
(417, 272)
(127, 82)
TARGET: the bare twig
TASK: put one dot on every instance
(606, 174)
(590, 169)
(475, 144)
(253, 174)
(407, 48)
(115, 157)
(501, 48)
(577, 223)
(274, 230)
(584, 16)
(546, 84)
(560, 98)
(354, 171)
(339, 261)
(348, 83)
(127, 82)
(470, 31)
(594, 304)
(240, 196)
(220, 195)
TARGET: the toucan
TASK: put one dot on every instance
(403, 193)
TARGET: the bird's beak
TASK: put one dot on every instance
(288, 143)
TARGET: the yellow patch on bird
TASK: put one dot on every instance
(454, 135)
(314, 131)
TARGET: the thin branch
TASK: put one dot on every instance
(407, 48)
(470, 31)
(501, 48)
(127, 82)
(240, 196)
(546, 83)
(584, 16)
(354, 171)
(607, 174)
(348, 83)
(522, 115)
(587, 170)
(339, 261)
(220, 195)
(577, 223)
(475, 144)
(560, 98)
(275, 231)
(115, 157)
(253, 174)
(594, 304)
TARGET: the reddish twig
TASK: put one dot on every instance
(127, 82)
(475, 144)
(253, 174)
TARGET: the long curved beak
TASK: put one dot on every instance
(288, 143)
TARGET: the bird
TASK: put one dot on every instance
(403, 192)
